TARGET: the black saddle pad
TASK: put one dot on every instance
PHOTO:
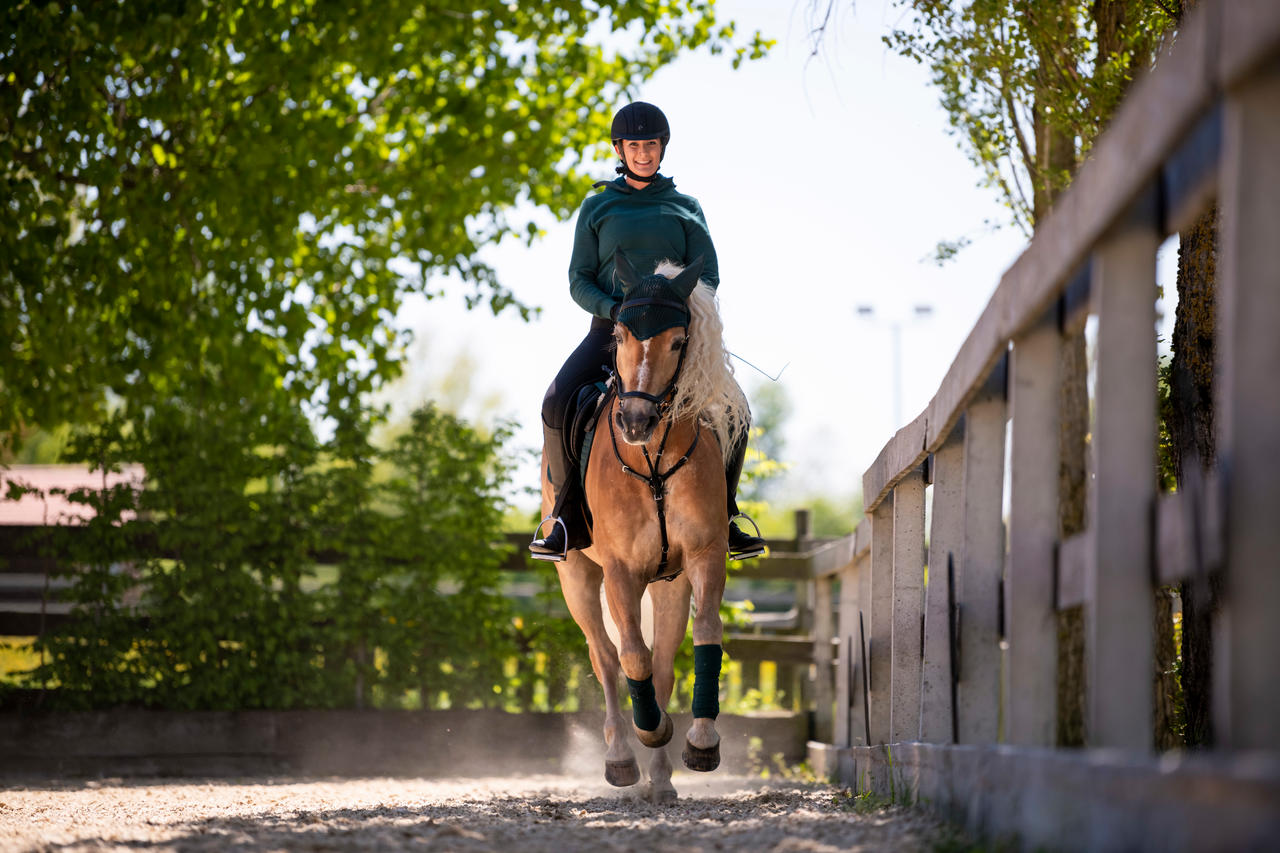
(584, 406)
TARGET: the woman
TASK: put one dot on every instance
(641, 214)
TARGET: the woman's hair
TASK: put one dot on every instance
(706, 387)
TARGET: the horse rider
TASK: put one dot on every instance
(641, 214)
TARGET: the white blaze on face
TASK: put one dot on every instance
(642, 374)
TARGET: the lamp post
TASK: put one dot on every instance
(918, 312)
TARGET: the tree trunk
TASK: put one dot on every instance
(1166, 719)
(1055, 155)
(1072, 519)
(1191, 430)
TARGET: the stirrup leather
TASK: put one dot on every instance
(551, 557)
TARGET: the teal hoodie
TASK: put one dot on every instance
(649, 225)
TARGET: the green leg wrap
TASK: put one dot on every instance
(644, 707)
(706, 680)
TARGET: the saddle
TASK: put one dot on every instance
(584, 411)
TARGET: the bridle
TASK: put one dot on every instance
(663, 400)
(655, 479)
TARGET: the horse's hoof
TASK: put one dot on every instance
(702, 760)
(663, 795)
(622, 774)
(660, 736)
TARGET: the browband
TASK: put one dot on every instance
(669, 303)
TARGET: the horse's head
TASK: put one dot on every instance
(651, 335)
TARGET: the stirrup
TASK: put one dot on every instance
(544, 555)
(753, 551)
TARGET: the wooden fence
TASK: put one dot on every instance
(946, 691)
(777, 640)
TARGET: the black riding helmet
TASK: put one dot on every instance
(640, 120)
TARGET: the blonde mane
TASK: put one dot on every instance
(706, 388)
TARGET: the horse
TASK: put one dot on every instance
(655, 488)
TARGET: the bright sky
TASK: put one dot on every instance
(826, 182)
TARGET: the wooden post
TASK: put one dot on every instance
(979, 573)
(946, 539)
(1119, 616)
(804, 529)
(908, 607)
(879, 616)
(823, 633)
(1248, 349)
(1033, 535)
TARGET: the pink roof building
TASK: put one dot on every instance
(55, 482)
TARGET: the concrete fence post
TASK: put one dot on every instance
(946, 541)
(854, 586)
(1119, 626)
(1033, 534)
(1248, 349)
(979, 571)
(823, 634)
(799, 684)
(879, 624)
(908, 607)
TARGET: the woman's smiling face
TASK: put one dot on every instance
(642, 156)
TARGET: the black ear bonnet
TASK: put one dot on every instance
(654, 303)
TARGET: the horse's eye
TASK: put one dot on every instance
(678, 344)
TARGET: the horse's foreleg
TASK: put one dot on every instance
(580, 581)
(623, 591)
(670, 622)
(620, 767)
(702, 744)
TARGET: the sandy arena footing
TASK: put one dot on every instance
(529, 814)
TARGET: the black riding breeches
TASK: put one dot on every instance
(589, 363)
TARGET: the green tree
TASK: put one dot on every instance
(1028, 85)
(219, 189)
(770, 410)
(211, 213)
(443, 597)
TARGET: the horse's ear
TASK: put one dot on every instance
(687, 279)
(624, 271)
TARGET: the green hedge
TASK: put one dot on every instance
(238, 614)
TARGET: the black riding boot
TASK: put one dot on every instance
(555, 545)
(742, 545)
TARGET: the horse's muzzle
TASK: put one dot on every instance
(637, 419)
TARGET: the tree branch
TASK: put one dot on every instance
(1011, 107)
(818, 32)
(33, 162)
(376, 104)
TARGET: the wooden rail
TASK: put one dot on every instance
(32, 584)
(962, 712)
